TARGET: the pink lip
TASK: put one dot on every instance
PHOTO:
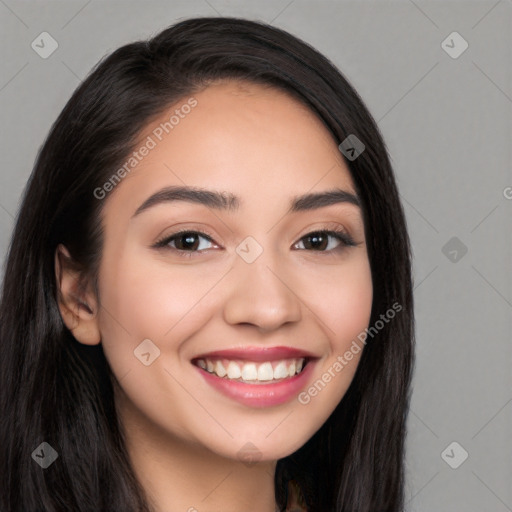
(258, 354)
(260, 395)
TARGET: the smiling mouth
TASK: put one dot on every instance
(252, 372)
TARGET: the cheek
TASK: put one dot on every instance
(145, 298)
(149, 298)
(343, 301)
(344, 310)
(148, 294)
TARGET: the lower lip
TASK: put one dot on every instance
(260, 395)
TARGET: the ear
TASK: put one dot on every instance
(77, 301)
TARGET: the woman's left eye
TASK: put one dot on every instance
(319, 241)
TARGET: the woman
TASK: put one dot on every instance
(207, 302)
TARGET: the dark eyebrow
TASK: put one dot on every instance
(209, 198)
(226, 201)
(321, 199)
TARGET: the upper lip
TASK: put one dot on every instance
(258, 354)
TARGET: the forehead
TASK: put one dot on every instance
(256, 141)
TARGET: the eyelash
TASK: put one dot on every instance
(345, 239)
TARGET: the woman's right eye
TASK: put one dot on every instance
(185, 241)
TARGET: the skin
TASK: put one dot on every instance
(183, 436)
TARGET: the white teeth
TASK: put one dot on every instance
(281, 371)
(251, 371)
(265, 372)
(234, 370)
(220, 370)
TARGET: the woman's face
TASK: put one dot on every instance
(250, 275)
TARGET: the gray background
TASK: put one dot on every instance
(447, 124)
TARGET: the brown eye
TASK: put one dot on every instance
(316, 241)
(319, 241)
(185, 241)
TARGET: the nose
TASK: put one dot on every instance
(261, 294)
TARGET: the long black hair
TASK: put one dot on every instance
(56, 390)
